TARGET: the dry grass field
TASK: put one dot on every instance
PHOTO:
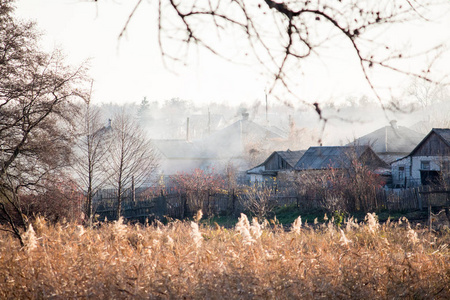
(185, 260)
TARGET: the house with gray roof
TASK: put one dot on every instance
(276, 162)
(232, 145)
(202, 125)
(391, 142)
(242, 141)
(338, 157)
(183, 156)
(428, 162)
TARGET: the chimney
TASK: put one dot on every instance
(394, 124)
(187, 129)
(267, 117)
(245, 116)
(209, 122)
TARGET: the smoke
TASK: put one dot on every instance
(213, 135)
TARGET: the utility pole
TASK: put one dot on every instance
(267, 118)
(209, 122)
(187, 129)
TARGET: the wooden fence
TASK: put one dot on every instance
(418, 198)
(143, 206)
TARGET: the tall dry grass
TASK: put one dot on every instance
(257, 260)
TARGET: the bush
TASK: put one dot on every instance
(59, 200)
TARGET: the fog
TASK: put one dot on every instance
(218, 135)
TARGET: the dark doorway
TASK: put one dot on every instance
(430, 177)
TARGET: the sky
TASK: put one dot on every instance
(126, 70)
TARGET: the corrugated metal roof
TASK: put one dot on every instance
(391, 139)
(318, 158)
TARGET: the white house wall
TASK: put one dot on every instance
(435, 165)
(412, 168)
(255, 174)
(256, 178)
(398, 177)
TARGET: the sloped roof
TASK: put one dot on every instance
(249, 129)
(256, 170)
(391, 139)
(181, 149)
(278, 131)
(390, 157)
(291, 157)
(318, 158)
(231, 140)
(422, 127)
(214, 121)
(443, 133)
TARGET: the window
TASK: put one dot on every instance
(401, 173)
(425, 165)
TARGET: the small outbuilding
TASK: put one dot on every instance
(428, 162)
(276, 162)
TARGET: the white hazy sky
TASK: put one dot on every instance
(127, 70)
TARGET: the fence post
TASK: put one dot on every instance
(163, 204)
(183, 202)
(419, 199)
(429, 213)
(208, 209)
(233, 201)
(133, 192)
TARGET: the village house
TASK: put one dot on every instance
(236, 145)
(242, 137)
(199, 126)
(391, 142)
(182, 156)
(276, 162)
(428, 162)
(322, 158)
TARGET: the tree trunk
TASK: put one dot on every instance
(119, 201)
(89, 209)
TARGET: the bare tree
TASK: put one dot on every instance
(282, 35)
(92, 148)
(132, 159)
(36, 110)
(198, 185)
(426, 93)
